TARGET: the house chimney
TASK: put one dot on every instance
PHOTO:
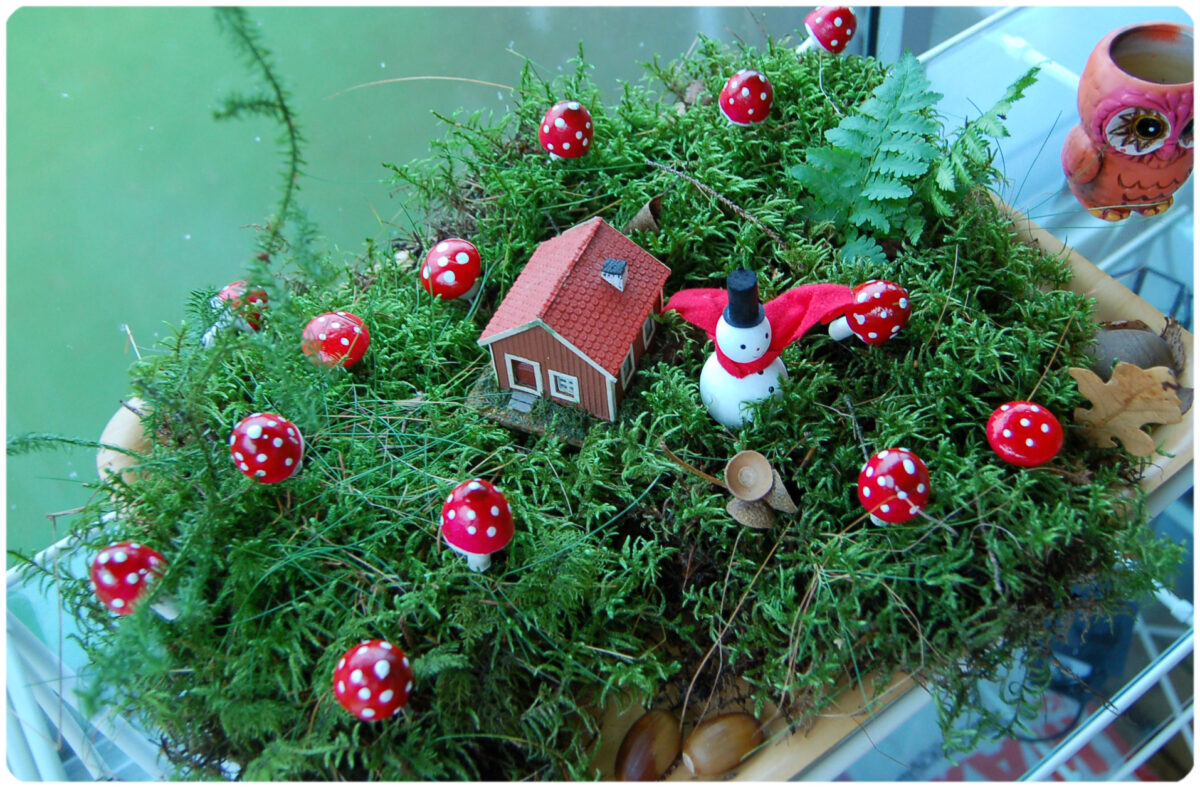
(613, 272)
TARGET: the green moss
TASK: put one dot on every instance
(626, 575)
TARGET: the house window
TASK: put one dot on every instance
(564, 386)
(647, 331)
(627, 368)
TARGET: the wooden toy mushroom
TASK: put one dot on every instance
(879, 311)
(893, 486)
(336, 338)
(240, 307)
(121, 575)
(451, 269)
(566, 130)
(746, 98)
(373, 680)
(830, 28)
(1024, 433)
(266, 447)
(476, 522)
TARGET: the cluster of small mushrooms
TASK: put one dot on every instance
(374, 679)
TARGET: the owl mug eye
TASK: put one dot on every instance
(1185, 136)
(1137, 130)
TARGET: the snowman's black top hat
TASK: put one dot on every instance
(744, 309)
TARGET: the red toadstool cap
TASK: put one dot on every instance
(1024, 433)
(893, 486)
(266, 447)
(336, 338)
(248, 302)
(746, 98)
(832, 26)
(566, 130)
(880, 309)
(477, 521)
(451, 269)
(121, 574)
(373, 680)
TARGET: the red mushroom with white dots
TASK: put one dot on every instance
(879, 310)
(830, 28)
(266, 447)
(373, 680)
(566, 130)
(451, 269)
(893, 486)
(240, 305)
(336, 338)
(746, 98)
(1024, 433)
(121, 575)
(476, 522)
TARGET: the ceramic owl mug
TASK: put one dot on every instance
(1133, 146)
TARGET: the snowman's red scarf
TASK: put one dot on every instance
(791, 314)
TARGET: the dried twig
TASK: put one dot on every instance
(1053, 356)
(728, 202)
(708, 477)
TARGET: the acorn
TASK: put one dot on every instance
(717, 745)
(649, 748)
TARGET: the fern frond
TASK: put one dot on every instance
(876, 156)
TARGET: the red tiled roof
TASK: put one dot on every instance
(561, 286)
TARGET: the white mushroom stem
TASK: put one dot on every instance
(166, 606)
(877, 521)
(225, 318)
(807, 44)
(470, 294)
(476, 562)
(839, 329)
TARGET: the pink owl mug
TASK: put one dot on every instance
(1133, 146)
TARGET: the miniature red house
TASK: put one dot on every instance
(577, 320)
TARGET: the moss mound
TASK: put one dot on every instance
(626, 575)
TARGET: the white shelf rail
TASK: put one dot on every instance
(1120, 703)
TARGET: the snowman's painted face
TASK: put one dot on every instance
(744, 345)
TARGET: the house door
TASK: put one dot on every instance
(524, 375)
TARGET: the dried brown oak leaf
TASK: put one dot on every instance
(1132, 397)
(1172, 334)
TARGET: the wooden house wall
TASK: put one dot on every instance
(537, 345)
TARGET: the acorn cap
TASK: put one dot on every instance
(752, 514)
(744, 309)
(748, 475)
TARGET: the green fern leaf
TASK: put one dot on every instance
(869, 214)
(944, 177)
(914, 225)
(891, 163)
(876, 156)
(886, 189)
(862, 247)
(940, 204)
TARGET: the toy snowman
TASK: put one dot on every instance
(745, 366)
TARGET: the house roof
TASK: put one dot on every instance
(562, 289)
